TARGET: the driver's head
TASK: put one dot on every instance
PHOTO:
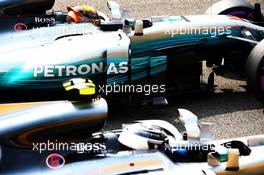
(83, 13)
(139, 136)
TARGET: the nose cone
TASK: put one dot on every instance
(27, 123)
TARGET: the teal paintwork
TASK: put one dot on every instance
(18, 59)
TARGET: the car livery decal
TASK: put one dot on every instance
(96, 69)
(143, 46)
(147, 67)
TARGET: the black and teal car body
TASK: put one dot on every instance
(32, 132)
(161, 50)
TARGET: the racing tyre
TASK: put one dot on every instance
(255, 71)
(239, 8)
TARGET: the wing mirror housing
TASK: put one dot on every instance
(115, 10)
(139, 27)
(195, 131)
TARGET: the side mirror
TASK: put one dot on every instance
(115, 10)
(206, 132)
(190, 122)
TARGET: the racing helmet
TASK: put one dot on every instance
(83, 13)
(140, 136)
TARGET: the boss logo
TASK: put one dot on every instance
(42, 20)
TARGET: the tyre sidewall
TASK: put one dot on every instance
(255, 71)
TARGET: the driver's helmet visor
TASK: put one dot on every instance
(83, 13)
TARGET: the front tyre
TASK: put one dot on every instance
(238, 8)
(255, 71)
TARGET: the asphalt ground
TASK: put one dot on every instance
(233, 111)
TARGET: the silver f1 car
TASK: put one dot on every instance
(39, 51)
(67, 138)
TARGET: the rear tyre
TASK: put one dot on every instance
(255, 71)
(239, 8)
